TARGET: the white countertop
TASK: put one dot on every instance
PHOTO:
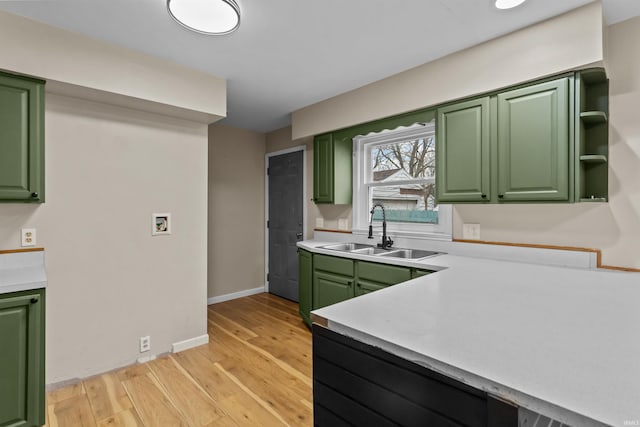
(22, 271)
(563, 342)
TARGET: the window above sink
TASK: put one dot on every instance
(397, 168)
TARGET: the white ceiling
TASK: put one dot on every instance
(288, 54)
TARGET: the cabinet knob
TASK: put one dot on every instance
(484, 196)
(501, 196)
(349, 283)
(358, 285)
(34, 195)
(34, 300)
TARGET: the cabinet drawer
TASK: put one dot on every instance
(333, 264)
(383, 273)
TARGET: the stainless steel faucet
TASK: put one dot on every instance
(386, 242)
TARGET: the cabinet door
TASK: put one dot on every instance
(305, 285)
(330, 288)
(21, 139)
(383, 274)
(533, 143)
(463, 150)
(21, 360)
(323, 172)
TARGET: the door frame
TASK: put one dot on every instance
(302, 148)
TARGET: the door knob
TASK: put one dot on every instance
(299, 235)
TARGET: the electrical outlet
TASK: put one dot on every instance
(145, 344)
(319, 222)
(342, 223)
(28, 237)
(471, 231)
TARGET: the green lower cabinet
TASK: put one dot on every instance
(327, 280)
(22, 401)
(329, 288)
(372, 276)
(305, 283)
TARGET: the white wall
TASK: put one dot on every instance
(107, 170)
(80, 62)
(236, 210)
(558, 44)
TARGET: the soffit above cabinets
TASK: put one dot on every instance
(289, 54)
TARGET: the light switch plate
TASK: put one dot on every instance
(471, 231)
(28, 237)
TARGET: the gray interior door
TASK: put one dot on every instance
(285, 222)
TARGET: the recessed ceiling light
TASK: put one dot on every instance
(206, 16)
(508, 4)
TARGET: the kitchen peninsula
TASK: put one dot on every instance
(561, 342)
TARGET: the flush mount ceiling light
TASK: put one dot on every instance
(508, 4)
(215, 17)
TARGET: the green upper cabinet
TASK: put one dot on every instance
(512, 146)
(21, 139)
(305, 283)
(462, 147)
(22, 359)
(533, 143)
(332, 165)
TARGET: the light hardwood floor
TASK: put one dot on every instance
(255, 371)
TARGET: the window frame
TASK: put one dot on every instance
(361, 203)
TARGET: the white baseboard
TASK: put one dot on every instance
(190, 343)
(240, 294)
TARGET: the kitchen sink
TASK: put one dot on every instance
(409, 253)
(359, 248)
(347, 247)
(370, 251)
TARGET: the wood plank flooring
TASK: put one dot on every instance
(255, 371)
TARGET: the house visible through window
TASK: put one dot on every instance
(397, 169)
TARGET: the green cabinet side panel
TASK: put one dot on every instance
(332, 264)
(305, 283)
(463, 152)
(22, 359)
(383, 274)
(533, 143)
(21, 139)
(329, 288)
(323, 169)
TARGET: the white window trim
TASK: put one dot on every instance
(441, 231)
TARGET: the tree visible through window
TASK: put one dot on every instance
(402, 178)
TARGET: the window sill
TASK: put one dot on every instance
(415, 235)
